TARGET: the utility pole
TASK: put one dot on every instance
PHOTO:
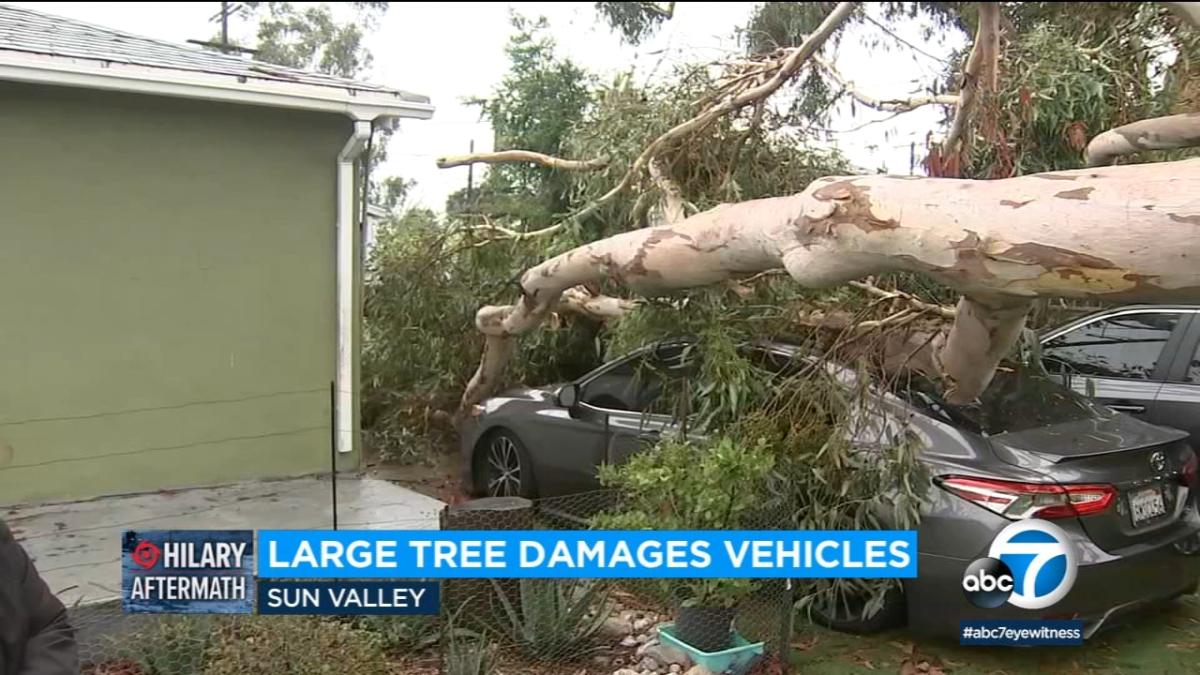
(225, 25)
(228, 9)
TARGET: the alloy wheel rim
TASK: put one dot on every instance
(504, 479)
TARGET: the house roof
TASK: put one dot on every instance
(39, 47)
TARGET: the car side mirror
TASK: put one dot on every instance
(567, 396)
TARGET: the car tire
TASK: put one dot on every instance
(503, 467)
(893, 614)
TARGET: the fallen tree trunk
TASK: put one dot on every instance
(1119, 233)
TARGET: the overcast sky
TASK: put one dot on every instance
(451, 51)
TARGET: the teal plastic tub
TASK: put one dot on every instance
(737, 656)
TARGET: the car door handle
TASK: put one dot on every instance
(1127, 407)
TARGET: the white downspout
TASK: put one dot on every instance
(345, 227)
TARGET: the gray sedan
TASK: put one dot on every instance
(1122, 489)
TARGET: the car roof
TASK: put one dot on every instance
(1081, 319)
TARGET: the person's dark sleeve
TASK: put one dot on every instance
(50, 648)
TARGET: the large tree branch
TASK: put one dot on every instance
(887, 105)
(1159, 133)
(1118, 233)
(980, 71)
(527, 156)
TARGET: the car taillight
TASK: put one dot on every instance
(1187, 475)
(1031, 500)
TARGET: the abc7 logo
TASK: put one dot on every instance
(1031, 564)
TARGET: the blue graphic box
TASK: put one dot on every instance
(187, 571)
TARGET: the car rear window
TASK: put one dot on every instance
(1017, 399)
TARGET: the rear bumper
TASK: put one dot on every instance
(1103, 592)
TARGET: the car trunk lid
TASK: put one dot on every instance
(1144, 463)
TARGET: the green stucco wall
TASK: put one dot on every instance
(167, 286)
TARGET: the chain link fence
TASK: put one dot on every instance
(486, 626)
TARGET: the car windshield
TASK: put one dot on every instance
(1017, 399)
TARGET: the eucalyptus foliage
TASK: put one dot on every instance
(769, 446)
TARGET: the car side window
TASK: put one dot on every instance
(1126, 346)
(1193, 372)
(614, 389)
(641, 384)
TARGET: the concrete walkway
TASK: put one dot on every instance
(77, 545)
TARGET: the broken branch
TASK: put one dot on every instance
(791, 65)
(919, 305)
(894, 105)
(514, 156)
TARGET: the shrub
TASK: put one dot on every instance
(686, 485)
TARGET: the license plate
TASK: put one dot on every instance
(1146, 505)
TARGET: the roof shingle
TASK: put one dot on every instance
(24, 30)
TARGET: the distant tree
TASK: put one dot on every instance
(311, 38)
(393, 193)
(635, 21)
(535, 106)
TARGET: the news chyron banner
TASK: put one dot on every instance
(187, 571)
(369, 571)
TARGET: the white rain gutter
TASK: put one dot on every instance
(345, 228)
(361, 104)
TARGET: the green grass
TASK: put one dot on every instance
(1157, 641)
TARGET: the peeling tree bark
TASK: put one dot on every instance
(1160, 133)
(598, 307)
(1119, 233)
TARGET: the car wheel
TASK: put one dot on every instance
(847, 616)
(503, 468)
